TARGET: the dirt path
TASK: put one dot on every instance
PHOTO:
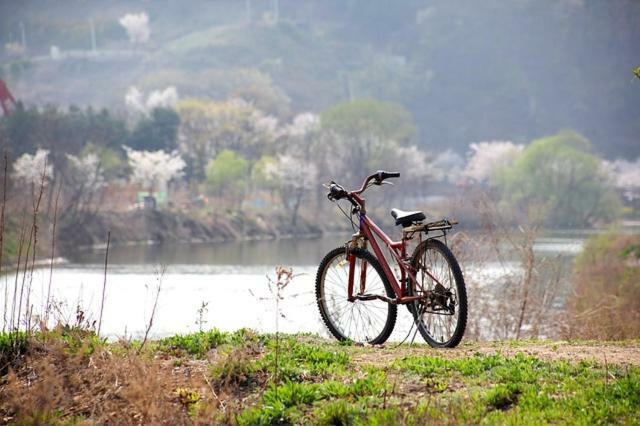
(602, 353)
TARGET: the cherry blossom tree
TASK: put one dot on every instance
(485, 158)
(137, 27)
(303, 124)
(30, 169)
(135, 100)
(153, 170)
(625, 174)
(448, 166)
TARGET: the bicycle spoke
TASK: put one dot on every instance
(358, 320)
(435, 277)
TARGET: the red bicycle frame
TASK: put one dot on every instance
(398, 249)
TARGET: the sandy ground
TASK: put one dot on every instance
(613, 353)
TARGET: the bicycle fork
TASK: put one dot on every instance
(357, 241)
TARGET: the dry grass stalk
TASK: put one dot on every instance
(605, 298)
(34, 228)
(56, 385)
(104, 283)
(13, 326)
(283, 278)
(519, 303)
(155, 306)
(2, 211)
(53, 251)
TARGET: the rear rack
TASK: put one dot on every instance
(440, 225)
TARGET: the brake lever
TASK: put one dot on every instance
(384, 182)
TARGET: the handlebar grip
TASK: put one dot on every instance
(382, 175)
(336, 192)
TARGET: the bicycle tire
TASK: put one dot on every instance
(390, 311)
(418, 309)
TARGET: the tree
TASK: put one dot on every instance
(370, 118)
(207, 128)
(227, 174)
(85, 180)
(262, 176)
(153, 170)
(112, 163)
(31, 169)
(360, 135)
(157, 132)
(296, 178)
(559, 182)
(486, 158)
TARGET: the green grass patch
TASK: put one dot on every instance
(194, 344)
(525, 390)
(291, 401)
(303, 361)
(12, 345)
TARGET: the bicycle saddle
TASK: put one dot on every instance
(406, 218)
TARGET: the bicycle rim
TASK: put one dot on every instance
(368, 321)
(441, 320)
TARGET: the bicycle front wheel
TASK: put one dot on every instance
(361, 321)
(441, 317)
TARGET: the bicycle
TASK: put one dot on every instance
(358, 293)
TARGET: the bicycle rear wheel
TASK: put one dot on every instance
(361, 321)
(442, 317)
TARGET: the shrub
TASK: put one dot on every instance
(605, 301)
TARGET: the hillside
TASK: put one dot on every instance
(467, 71)
(213, 377)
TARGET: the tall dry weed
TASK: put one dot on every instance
(58, 383)
(512, 289)
(605, 298)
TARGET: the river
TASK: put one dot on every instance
(231, 279)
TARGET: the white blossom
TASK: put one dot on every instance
(487, 157)
(303, 124)
(264, 123)
(31, 168)
(623, 173)
(137, 27)
(293, 173)
(87, 169)
(448, 165)
(166, 98)
(413, 162)
(134, 100)
(154, 169)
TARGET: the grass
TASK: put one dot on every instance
(12, 346)
(216, 377)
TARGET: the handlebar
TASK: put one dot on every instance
(337, 192)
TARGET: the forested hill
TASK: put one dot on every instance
(467, 70)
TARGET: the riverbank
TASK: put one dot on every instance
(155, 227)
(71, 376)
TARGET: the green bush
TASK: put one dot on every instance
(559, 182)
